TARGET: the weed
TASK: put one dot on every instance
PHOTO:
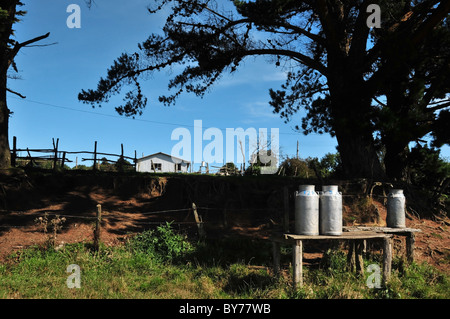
(364, 211)
(161, 243)
(55, 224)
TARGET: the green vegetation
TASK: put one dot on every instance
(162, 263)
(329, 166)
(161, 244)
(430, 175)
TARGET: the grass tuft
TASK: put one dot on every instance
(162, 263)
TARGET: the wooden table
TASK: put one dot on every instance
(409, 233)
(350, 234)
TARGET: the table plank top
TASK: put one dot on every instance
(387, 230)
(350, 232)
(345, 235)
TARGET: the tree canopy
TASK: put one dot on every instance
(369, 87)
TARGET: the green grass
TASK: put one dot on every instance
(149, 267)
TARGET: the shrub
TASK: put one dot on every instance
(161, 243)
(297, 167)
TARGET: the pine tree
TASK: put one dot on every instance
(338, 65)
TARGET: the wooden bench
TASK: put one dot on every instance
(409, 233)
(355, 235)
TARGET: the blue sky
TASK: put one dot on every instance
(53, 76)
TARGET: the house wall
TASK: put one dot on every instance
(167, 165)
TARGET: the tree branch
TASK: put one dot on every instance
(16, 93)
(216, 13)
(287, 26)
(379, 102)
(438, 15)
(360, 34)
(40, 45)
(438, 107)
(292, 54)
(12, 54)
(439, 102)
(85, 97)
(330, 27)
(296, 29)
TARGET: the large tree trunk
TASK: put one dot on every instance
(359, 157)
(398, 128)
(351, 113)
(5, 155)
(5, 33)
(396, 160)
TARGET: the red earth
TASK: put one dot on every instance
(122, 217)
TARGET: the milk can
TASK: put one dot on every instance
(306, 211)
(330, 211)
(396, 206)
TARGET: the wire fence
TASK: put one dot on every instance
(159, 212)
(284, 212)
(59, 158)
(115, 215)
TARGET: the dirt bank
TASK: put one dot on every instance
(233, 205)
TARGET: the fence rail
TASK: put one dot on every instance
(98, 218)
(59, 156)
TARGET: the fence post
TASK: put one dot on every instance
(63, 160)
(286, 209)
(55, 147)
(97, 227)
(95, 157)
(120, 163)
(199, 221)
(31, 159)
(14, 152)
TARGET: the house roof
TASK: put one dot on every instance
(170, 156)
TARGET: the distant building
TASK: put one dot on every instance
(162, 163)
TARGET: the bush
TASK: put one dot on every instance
(297, 167)
(429, 174)
(427, 167)
(329, 166)
(363, 211)
(162, 243)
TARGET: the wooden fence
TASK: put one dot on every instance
(55, 155)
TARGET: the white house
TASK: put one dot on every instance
(162, 163)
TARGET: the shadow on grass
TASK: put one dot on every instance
(245, 281)
(227, 251)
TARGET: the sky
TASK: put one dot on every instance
(52, 76)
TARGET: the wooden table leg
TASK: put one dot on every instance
(351, 256)
(359, 248)
(410, 242)
(297, 256)
(276, 253)
(387, 259)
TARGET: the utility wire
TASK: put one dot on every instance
(120, 117)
